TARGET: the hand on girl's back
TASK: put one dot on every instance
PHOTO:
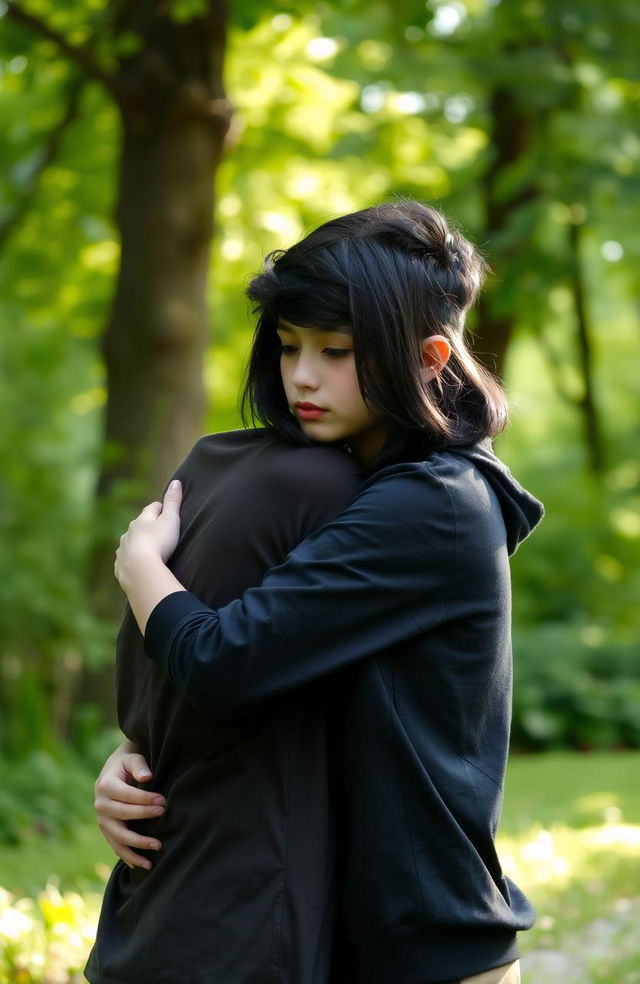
(153, 535)
(117, 801)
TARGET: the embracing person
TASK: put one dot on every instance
(392, 619)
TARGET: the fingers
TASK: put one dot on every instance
(115, 797)
(171, 503)
(107, 806)
(172, 497)
(117, 786)
(152, 511)
(136, 766)
(121, 835)
(122, 841)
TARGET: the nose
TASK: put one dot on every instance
(304, 375)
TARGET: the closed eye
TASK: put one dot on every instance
(288, 349)
(337, 353)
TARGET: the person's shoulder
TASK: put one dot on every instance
(242, 439)
(225, 447)
(323, 479)
(412, 496)
(406, 478)
(321, 463)
(439, 472)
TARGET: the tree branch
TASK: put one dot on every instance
(82, 55)
(48, 154)
(588, 405)
(555, 371)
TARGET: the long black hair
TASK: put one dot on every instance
(394, 274)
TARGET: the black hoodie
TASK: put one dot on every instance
(403, 604)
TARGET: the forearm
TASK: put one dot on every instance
(336, 600)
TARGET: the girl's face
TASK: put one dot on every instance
(321, 385)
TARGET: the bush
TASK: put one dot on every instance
(48, 793)
(569, 693)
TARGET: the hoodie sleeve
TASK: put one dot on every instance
(373, 578)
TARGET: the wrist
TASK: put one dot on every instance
(139, 563)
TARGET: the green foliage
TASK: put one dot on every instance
(333, 111)
(577, 671)
(47, 794)
(572, 692)
(186, 10)
(41, 796)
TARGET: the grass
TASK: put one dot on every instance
(570, 837)
(573, 789)
(78, 864)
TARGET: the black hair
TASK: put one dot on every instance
(394, 274)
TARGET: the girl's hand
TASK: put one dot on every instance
(117, 801)
(153, 535)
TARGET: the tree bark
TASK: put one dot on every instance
(511, 140)
(174, 116)
(174, 120)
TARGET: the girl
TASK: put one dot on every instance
(401, 605)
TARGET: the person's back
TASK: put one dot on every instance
(242, 890)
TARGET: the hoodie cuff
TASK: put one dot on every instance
(165, 620)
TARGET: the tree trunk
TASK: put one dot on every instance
(511, 140)
(157, 333)
(174, 120)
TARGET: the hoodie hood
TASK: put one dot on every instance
(521, 511)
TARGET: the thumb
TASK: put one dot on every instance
(136, 766)
(172, 497)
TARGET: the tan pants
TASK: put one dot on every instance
(507, 974)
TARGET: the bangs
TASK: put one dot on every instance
(310, 295)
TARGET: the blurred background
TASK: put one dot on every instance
(152, 153)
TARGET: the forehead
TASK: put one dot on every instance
(284, 325)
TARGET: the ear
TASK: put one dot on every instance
(436, 350)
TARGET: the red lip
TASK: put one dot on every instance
(309, 411)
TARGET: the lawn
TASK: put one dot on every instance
(570, 837)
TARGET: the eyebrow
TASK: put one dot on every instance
(283, 325)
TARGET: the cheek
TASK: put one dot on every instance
(351, 387)
(285, 373)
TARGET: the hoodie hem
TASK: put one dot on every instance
(428, 957)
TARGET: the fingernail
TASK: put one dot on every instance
(158, 801)
(154, 845)
(157, 810)
(175, 484)
(144, 774)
